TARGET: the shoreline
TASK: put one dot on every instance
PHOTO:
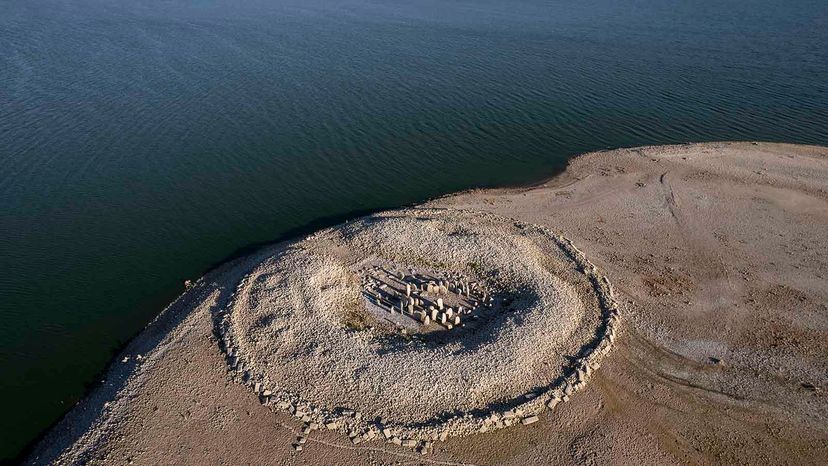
(91, 412)
(114, 367)
(246, 251)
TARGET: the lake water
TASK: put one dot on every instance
(142, 142)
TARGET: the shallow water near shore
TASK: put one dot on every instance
(142, 143)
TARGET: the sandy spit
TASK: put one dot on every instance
(717, 255)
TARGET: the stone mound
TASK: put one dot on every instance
(418, 324)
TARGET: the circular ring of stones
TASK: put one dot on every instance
(298, 331)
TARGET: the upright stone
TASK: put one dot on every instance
(440, 303)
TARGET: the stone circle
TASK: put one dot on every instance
(414, 325)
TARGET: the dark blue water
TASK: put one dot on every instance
(143, 141)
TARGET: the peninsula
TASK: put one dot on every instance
(653, 305)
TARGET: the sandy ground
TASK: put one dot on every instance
(718, 256)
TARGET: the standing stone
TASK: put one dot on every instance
(407, 289)
(440, 303)
(450, 313)
(433, 314)
(443, 319)
(456, 320)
